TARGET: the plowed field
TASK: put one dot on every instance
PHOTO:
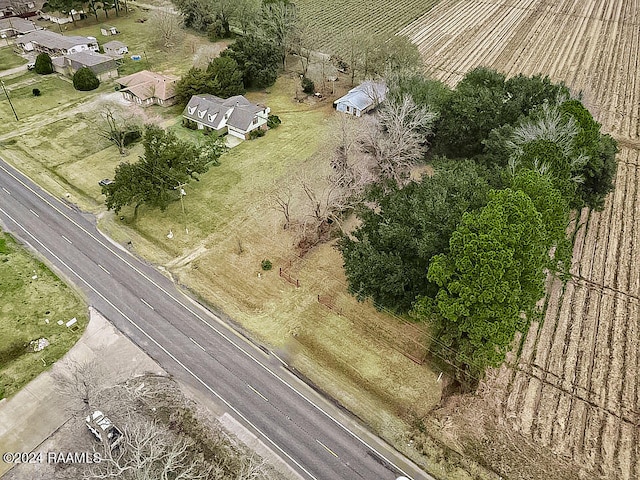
(574, 387)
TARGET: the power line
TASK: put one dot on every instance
(431, 338)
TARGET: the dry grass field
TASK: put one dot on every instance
(573, 388)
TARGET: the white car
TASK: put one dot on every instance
(104, 429)
(31, 65)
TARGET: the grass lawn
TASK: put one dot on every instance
(56, 96)
(8, 59)
(139, 38)
(32, 301)
(232, 227)
(228, 227)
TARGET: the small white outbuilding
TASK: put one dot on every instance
(359, 100)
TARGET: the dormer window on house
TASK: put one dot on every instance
(191, 110)
(201, 113)
(211, 117)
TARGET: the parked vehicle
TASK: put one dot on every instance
(31, 65)
(105, 181)
(104, 429)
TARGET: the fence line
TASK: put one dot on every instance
(289, 278)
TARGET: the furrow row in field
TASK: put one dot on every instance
(592, 46)
(574, 386)
(597, 361)
(338, 20)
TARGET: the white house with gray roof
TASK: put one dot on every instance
(55, 44)
(359, 100)
(14, 26)
(235, 115)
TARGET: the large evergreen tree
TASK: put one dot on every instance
(44, 65)
(258, 59)
(387, 257)
(489, 281)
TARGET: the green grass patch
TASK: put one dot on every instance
(9, 59)
(140, 38)
(334, 19)
(31, 295)
(56, 93)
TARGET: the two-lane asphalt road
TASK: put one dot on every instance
(191, 343)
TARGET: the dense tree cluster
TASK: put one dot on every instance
(466, 249)
(221, 78)
(258, 60)
(167, 164)
(270, 30)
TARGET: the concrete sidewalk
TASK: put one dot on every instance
(37, 411)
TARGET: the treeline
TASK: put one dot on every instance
(269, 31)
(466, 249)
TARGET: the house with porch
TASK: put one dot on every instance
(235, 115)
(19, 8)
(149, 88)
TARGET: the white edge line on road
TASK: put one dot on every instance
(281, 360)
(207, 312)
(67, 239)
(204, 384)
(8, 192)
(34, 213)
(147, 303)
(107, 271)
(327, 449)
(201, 347)
(258, 393)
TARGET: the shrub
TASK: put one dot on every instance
(85, 80)
(273, 121)
(307, 86)
(190, 124)
(44, 65)
(253, 134)
(36, 92)
(266, 265)
(215, 31)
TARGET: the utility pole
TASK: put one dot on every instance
(7, 94)
(180, 188)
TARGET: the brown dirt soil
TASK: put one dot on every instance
(569, 405)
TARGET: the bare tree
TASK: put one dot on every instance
(167, 26)
(247, 14)
(280, 24)
(117, 126)
(280, 198)
(397, 137)
(151, 452)
(79, 382)
(304, 40)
